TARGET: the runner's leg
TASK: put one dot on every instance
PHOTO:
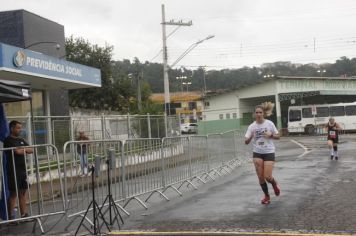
(331, 148)
(268, 168)
(336, 155)
(259, 166)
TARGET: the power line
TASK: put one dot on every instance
(345, 10)
(293, 61)
(283, 49)
(276, 45)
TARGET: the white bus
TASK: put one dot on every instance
(307, 118)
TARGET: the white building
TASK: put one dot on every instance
(234, 109)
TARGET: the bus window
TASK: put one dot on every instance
(322, 112)
(350, 110)
(337, 111)
(295, 115)
(307, 112)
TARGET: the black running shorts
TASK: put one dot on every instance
(265, 157)
(20, 182)
(335, 140)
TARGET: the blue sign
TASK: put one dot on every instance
(24, 61)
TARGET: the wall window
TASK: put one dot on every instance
(322, 112)
(192, 105)
(307, 113)
(294, 115)
(234, 115)
(23, 108)
(350, 110)
(247, 118)
(337, 111)
(176, 105)
(221, 116)
(227, 115)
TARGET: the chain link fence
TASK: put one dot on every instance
(57, 130)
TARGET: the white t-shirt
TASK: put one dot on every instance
(261, 144)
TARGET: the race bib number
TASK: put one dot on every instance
(332, 134)
(260, 143)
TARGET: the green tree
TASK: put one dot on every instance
(127, 75)
(342, 67)
(81, 51)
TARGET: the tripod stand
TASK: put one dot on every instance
(96, 210)
(111, 200)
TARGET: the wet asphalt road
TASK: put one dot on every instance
(318, 196)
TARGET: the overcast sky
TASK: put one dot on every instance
(247, 32)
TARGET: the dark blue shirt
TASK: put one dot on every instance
(20, 162)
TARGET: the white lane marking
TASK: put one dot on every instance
(302, 146)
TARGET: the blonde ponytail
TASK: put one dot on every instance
(267, 108)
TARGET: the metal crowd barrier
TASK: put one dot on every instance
(77, 177)
(243, 152)
(135, 168)
(215, 150)
(227, 150)
(183, 161)
(44, 195)
(142, 168)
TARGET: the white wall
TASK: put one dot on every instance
(235, 101)
(267, 88)
(221, 104)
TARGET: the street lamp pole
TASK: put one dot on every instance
(181, 83)
(187, 83)
(167, 98)
(49, 125)
(139, 99)
(165, 64)
(58, 46)
(190, 48)
(46, 95)
(204, 94)
(165, 56)
(321, 71)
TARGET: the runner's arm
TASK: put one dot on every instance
(249, 135)
(338, 127)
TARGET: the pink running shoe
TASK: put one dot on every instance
(277, 190)
(266, 200)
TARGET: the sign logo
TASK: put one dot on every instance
(25, 93)
(19, 58)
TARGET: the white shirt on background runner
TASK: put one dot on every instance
(261, 144)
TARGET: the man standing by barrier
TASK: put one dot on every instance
(82, 152)
(16, 169)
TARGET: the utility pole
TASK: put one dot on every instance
(167, 98)
(139, 99)
(204, 93)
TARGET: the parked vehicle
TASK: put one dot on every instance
(189, 128)
(308, 117)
